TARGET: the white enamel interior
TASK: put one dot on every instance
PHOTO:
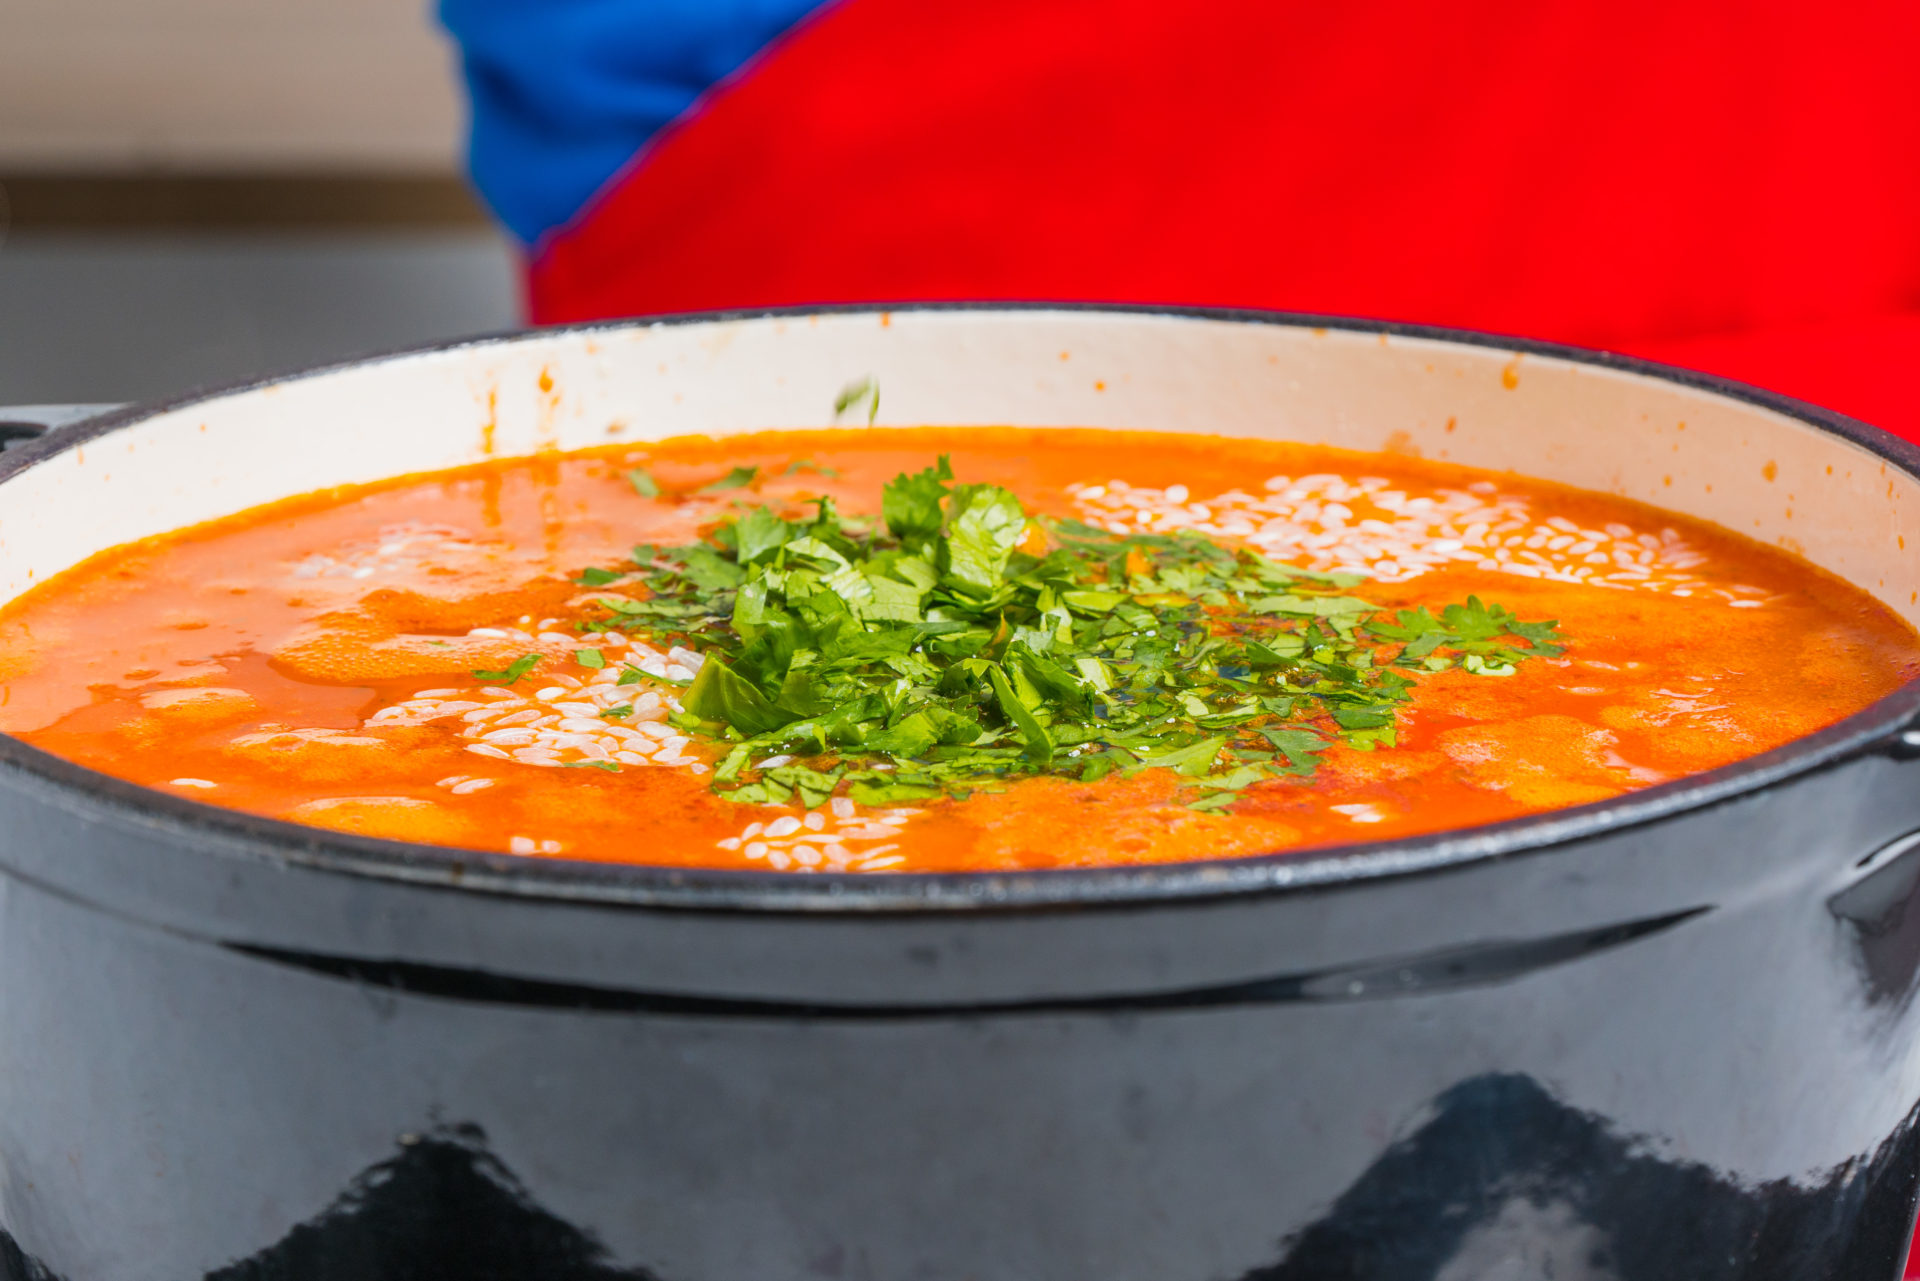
(1746, 468)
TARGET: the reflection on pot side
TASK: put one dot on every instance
(1502, 1182)
(1507, 1182)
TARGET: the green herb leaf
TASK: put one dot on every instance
(738, 478)
(867, 389)
(708, 571)
(988, 524)
(643, 483)
(911, 504)
(719, 694)
(1194, 760)
(864, 793)
(1317, 606)
(759, 533)
(1093, 602)
(590, 658)
(514, 671)
(1039, 747)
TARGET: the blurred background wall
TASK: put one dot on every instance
(197, 190)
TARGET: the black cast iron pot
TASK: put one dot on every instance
(1668, 1036)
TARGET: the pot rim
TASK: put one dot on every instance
(1877, 728)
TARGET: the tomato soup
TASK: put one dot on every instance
(935, 650)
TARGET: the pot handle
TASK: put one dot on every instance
(21, 423)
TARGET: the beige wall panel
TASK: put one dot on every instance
(89, 85)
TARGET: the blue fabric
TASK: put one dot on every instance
(564, 92)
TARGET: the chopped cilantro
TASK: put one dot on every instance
(608, 766)
(590, 658)
(615, 713)
(738, 478)
(958, 644)
(721, 694)
(911, 504)
(867, 389)
(1477, 636)
(643, 483)
(514, 671)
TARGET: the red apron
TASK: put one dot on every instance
(1725, 184)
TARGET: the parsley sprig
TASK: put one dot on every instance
(959, 644)
(512, 672)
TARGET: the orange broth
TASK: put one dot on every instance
(313, 660)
